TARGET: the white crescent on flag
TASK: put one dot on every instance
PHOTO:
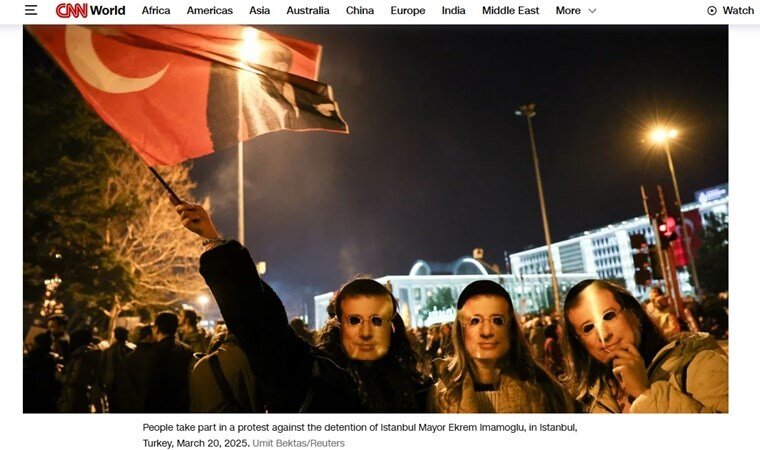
(87, 64)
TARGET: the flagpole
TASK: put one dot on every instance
(165, 185)
(241, 183)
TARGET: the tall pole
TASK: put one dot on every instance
(653, 224)
(670, 260)
(684, 228)
(241, 181)
(529, 111)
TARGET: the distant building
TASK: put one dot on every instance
(600, 253)
(606, 252)
(426, 280)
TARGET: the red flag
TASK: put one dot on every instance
(694, 223)
(181, 92)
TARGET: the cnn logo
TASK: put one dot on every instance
(66, 10)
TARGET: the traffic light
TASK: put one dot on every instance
(640, 250)
(666, 228)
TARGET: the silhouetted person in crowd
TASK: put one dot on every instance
(110, 361)
(433, 341)
(447, 342)
(191, 333)
(131, 377)
(554, 359)
(662, 312)
(41, 389)
(534, 332)
(79, 373)
(301, 330)
(56, 326)
(168, 385)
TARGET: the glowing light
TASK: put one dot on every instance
(660, 134)
(251, 49)
(203, 299)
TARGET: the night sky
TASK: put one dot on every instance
(437, 163)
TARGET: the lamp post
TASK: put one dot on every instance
(249, 51)
(203, 301)
(663, 136)
(529, 111)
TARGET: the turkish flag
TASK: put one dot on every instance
(181, 92)
(694, 224)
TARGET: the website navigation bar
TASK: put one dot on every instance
(402, 12)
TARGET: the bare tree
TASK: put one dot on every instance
(159, 254)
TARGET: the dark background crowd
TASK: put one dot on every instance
(175, 365)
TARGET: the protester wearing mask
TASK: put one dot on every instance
(362, 361)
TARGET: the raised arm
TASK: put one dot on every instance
(254, 313)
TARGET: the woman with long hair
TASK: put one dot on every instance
(381, 362)
(492, 369)
(620, 362)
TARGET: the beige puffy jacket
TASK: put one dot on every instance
(689, 375)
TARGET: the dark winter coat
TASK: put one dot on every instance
(77, 379)
(292, 375)
(155, 379)
(168, 388)
(41, 389)
(131, 380)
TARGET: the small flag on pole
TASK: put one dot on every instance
(180, 92)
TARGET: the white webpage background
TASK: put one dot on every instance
(735, 430)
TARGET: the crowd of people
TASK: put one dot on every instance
(607, 353)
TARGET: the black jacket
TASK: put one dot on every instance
(168, 388)
(155, 378)
(41, 389)
(131, 380)
(293, 375)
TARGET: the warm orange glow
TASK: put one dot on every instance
(660, 134)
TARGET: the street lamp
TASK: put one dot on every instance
(203, 300)
(663, 136)
(529, 111)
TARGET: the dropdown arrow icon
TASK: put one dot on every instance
(592, 10)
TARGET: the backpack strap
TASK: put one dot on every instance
(221, 381)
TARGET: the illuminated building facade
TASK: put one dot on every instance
(602, 253)
(426, 280)
(606, 252)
